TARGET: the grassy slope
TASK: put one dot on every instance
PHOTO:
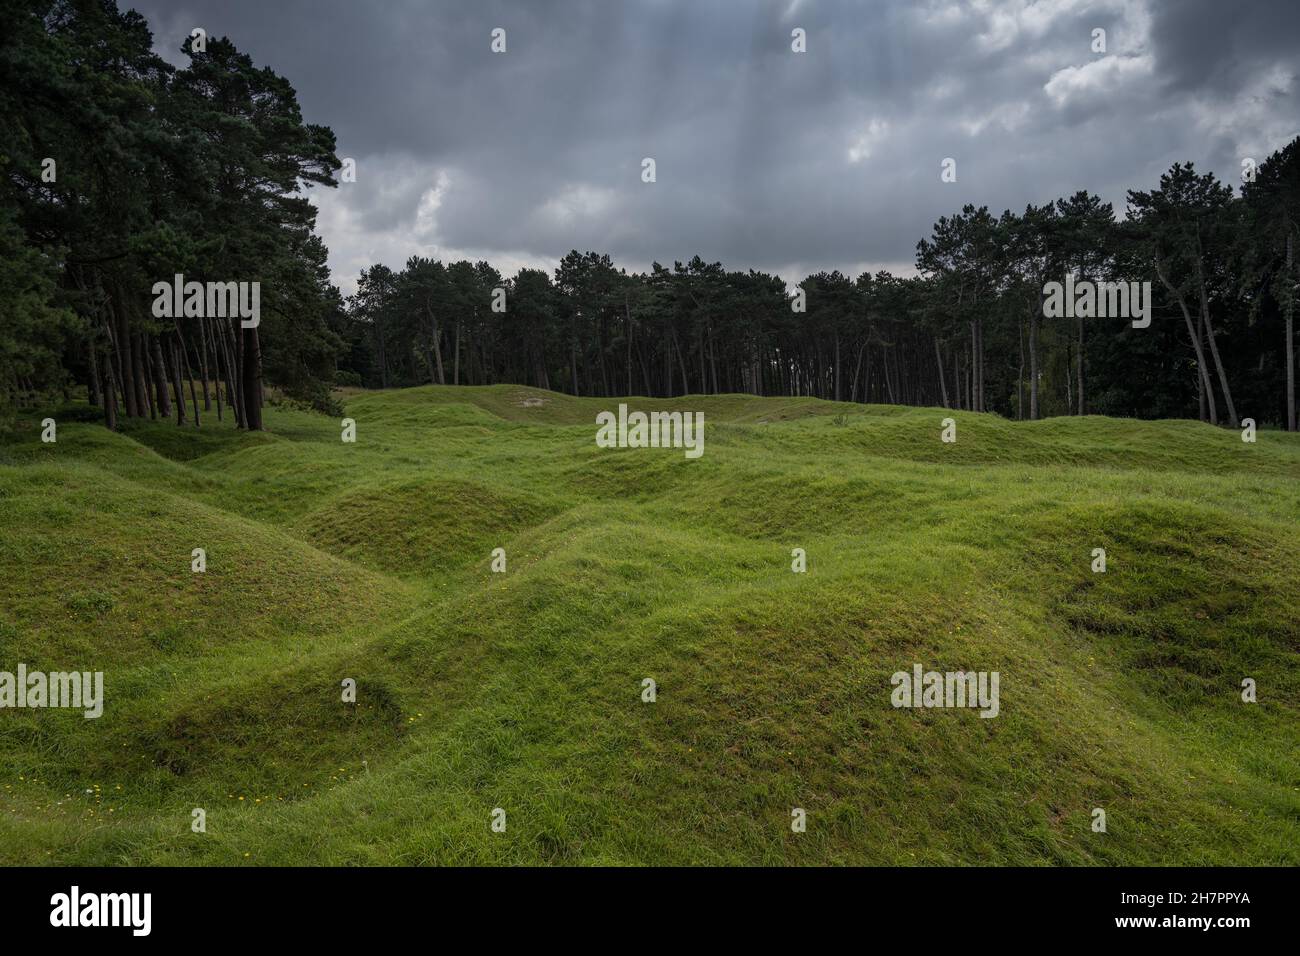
(522, 690)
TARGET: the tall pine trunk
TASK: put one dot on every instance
(1194, 333)
(1290, 342)
(1082, 406)
(203, 362)
(175, 364)
(252, 380)
(1034, 363)
(160, 376)
(141, 374)
(1233, 421)
(456, 361)
(110, 397)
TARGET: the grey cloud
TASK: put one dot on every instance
(766, 158)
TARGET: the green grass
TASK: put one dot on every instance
(522, 690)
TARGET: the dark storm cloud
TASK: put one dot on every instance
(765, 158)
(1213, 46)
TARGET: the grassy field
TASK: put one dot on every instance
(522, 690)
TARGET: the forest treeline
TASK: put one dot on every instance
(966, 332)
(204, 171)
(121, 171)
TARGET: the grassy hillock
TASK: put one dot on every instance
(522, 690)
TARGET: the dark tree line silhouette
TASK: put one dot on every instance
(968, 331)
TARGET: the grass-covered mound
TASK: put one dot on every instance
(522, 690)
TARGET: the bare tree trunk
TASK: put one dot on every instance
(1233, 421)
(681, 362)
(93, 356)
(203, 362)
(122, 348)
(436, 334)
(217, 355)
(1208, 385)
(1201, 367)
(956, 376)
(1069, 381)
(602, 342)
(152, 381)
(713, 365)
(252, 368)
(573, 363)
(889, 384)
(456, 362)
(383, 355)
(189, 377)
(110, 386)
(1034, 363)
(234, 378)
(1020, 374)
(1083, 275)
(1082, 406)
(160, 376)
(176, 383)
(193, 395)
(1202, 411)
(1290, 343)
(838, 389)
(938, 360)
(627, 314)
(704, 375)
(857, 373)
(141, 376)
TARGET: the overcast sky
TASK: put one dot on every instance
(765, 158)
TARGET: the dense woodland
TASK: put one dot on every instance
(156, 171)
(207, 170)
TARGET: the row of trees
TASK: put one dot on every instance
(120, 171)
(967, 332)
